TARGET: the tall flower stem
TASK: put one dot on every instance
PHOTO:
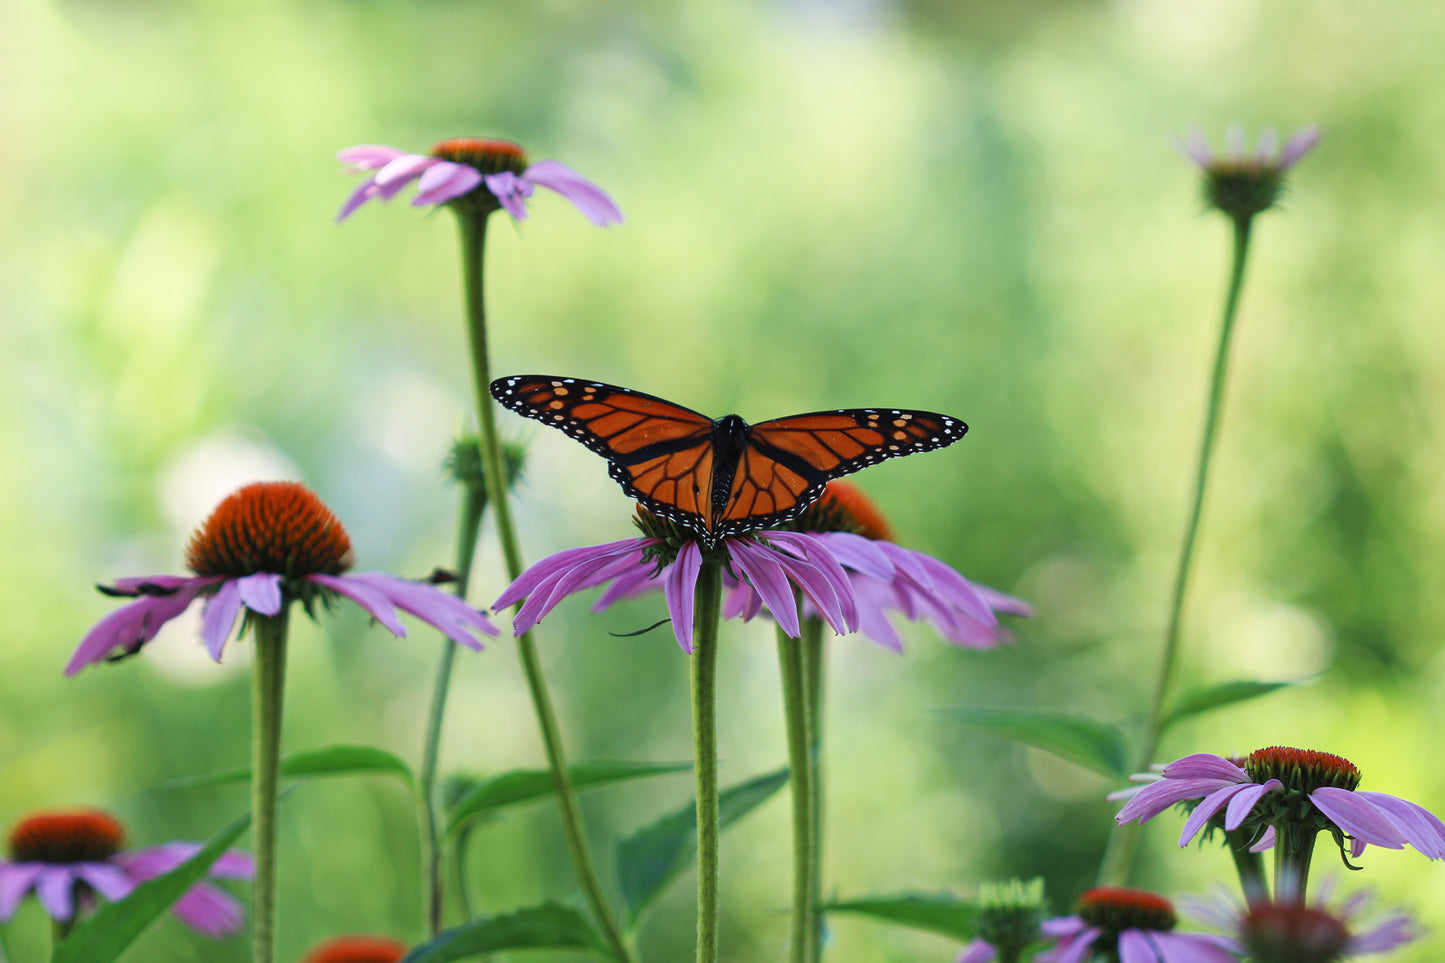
(1122, 844)
(815, 675)
(473, 226)
(268, 683)
(1292, 857)
(708, 607)
(797, 713)
(474, 503)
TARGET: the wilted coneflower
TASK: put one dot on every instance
(489, 174)
(1132, 925)
(69, 857)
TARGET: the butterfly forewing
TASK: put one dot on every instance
(619, 424)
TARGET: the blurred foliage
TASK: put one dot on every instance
(967, 207)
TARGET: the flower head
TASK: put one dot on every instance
(1242, 184)
(886, 577)
(771, 562)
(266, 545)
(1009, 917)
(1295, 792)
(1129, 924)
(1313, 932)
(68, 857)
(357, 949)
(488, 175)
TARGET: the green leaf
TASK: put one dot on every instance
(653, 857)
(330, 761)
(1214, 697)
(104, 936)
(549, 926)
(939, 913)
(1095, 745)
(526, 785)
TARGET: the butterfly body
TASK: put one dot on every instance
(721, 477)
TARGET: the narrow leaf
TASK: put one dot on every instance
(549, 926)
(526, 785)
(329, 761)
(939, 913)
(653, 857)
(1214, 697)
(104, 936)
(1095, 745)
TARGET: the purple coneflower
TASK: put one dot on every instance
(1294, 791)
(68, 857)
(1306, 932)
(266, 545)
(886, 577)
(1133, 925)
(357, 949)
(772, 562)
(1241, 183)
(456, 168)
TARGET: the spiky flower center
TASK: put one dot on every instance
(277, 527)
(1301, 770)
(1010, 913)
(1292, 933)
(1242, 188)
(77, 836)
(844, 508)
(487, 156)
(358, 949)
(1115, 909)
(671, 538)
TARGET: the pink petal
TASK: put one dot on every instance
(374, 602)
(208, 910)
(1385, 936)
(1134, 947)
(1159, 796)
(587, 197)
(444, 182)
(1266, 841)
(1195, 146)
(1204, 765)
(368, 157)
(261, 592)
(555, 564)
(15, 881)
(1420, 827)
(443, 611)
(1206, 809)
(1358, 817)
(979, 951)
(680, 590)
(860, 554)
(364, 192)
(404, 170)
(511, 192)
(764, 570)
(108, 880)
(219, 616)
(1195, 947)
(55, 889)
(1241, 805)
(1300, 143)
(131, 626)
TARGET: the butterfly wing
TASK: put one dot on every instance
(659, 452)
(787, 461)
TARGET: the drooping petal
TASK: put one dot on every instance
(219, 616)
(1195, 947)
(1159, 796)
(1358, 817)
(1243, 802)
(581, 572)
(107, 880)
(1420, 827)
(553, 565)
(763, 567)
(15, 881)
(680, 591)
(1206, 809)
(151, 861)
(1265, 146)
(55, 888)
(445, 181)
(948, 584)
(368, 157)
(628, 584)
(587, 197)
(979, 951)
(261, 592)
(1205, 765)
(1300, 143)
(1134, 947)
(443, 611)
(511, 192)
(873, 597)
(404, 169)
(206, 909)
(1266, 841)
(375, 603)
(862, 555)
(1389, 933)
(1195, 146)
(364, 192)
(840, 588)
(133, 625)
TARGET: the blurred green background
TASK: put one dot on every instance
(970, 207)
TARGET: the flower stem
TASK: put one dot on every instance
(268, 682)
(815, 666)
(708, 606)
(474, 503)
(797, 712)
(1120, 852)
(473, 243)
(1292, 864)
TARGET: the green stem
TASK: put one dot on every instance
(1250, 866)
(793, 668)
(1292, 865)
(474, 502)
(473, 243)
(268, 682)
(707, 608)
(1120, 852)
(815, 666)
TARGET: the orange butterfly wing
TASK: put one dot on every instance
(787, 461)
(660, 453)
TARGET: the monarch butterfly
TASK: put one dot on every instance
(722, 477)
